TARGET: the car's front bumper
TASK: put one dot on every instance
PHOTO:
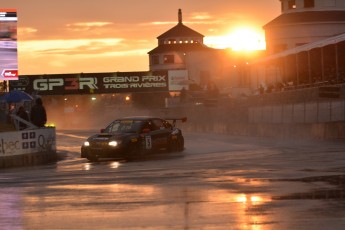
(113, 152)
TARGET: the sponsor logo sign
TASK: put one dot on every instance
(9, 74)
(25, 142)
(178, 79)
(89, 83)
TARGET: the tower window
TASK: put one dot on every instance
(291, 4)
(309, 3)
(169, 59)
(155, 60)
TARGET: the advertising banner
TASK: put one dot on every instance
(92, 83)
(8, 45)
(26, 142)
(178, 79)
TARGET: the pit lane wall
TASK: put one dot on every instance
(234, 121)
(30, 147)
(308, 113)
(318, 131)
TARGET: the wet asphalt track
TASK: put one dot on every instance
(218, 182)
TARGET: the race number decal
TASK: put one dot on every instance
(148, 142)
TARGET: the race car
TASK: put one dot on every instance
(134, 137)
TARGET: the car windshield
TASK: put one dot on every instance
(124, 126)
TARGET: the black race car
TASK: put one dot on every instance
(134, 137)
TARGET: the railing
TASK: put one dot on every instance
(17, 120)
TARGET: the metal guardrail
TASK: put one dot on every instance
(17, 120)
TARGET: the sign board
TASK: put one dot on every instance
(26, 142)
(178, 79)
(8, 45)
(92, 83)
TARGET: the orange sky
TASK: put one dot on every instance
(72, 36)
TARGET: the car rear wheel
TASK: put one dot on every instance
(177, 145)
(180, 144)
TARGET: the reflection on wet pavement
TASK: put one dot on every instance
(333, 188)
(120, 204)
(215, 184)
(11, 216)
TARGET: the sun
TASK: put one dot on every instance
(239, 39)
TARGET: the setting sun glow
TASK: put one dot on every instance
(240, 39)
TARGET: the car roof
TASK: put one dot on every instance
(138, 118)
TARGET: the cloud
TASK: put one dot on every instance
(26, 31)
(85, 26)
(89, 24)
(158, 23)
(64, 47)
(200, 16)
(82, 47)
(83, 55)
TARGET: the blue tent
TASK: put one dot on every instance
(15, 96)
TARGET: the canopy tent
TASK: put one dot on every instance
(15, 96)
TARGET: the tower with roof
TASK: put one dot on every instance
(182, 48)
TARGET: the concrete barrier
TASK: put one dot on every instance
(234, 121)
(29, 147)
(322, 131)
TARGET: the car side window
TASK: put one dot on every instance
(109, 128)
(147, 125)
(113, 127)
(167, 125)
(158, 124)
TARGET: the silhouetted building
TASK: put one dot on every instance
(305, 46)
(303, 22)
(182, 48)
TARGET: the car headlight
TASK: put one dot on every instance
(113, 143)
(86, 143)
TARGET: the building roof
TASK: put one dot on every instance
(307, 17)
(180, 30)
(303, 48)
(185, 47)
